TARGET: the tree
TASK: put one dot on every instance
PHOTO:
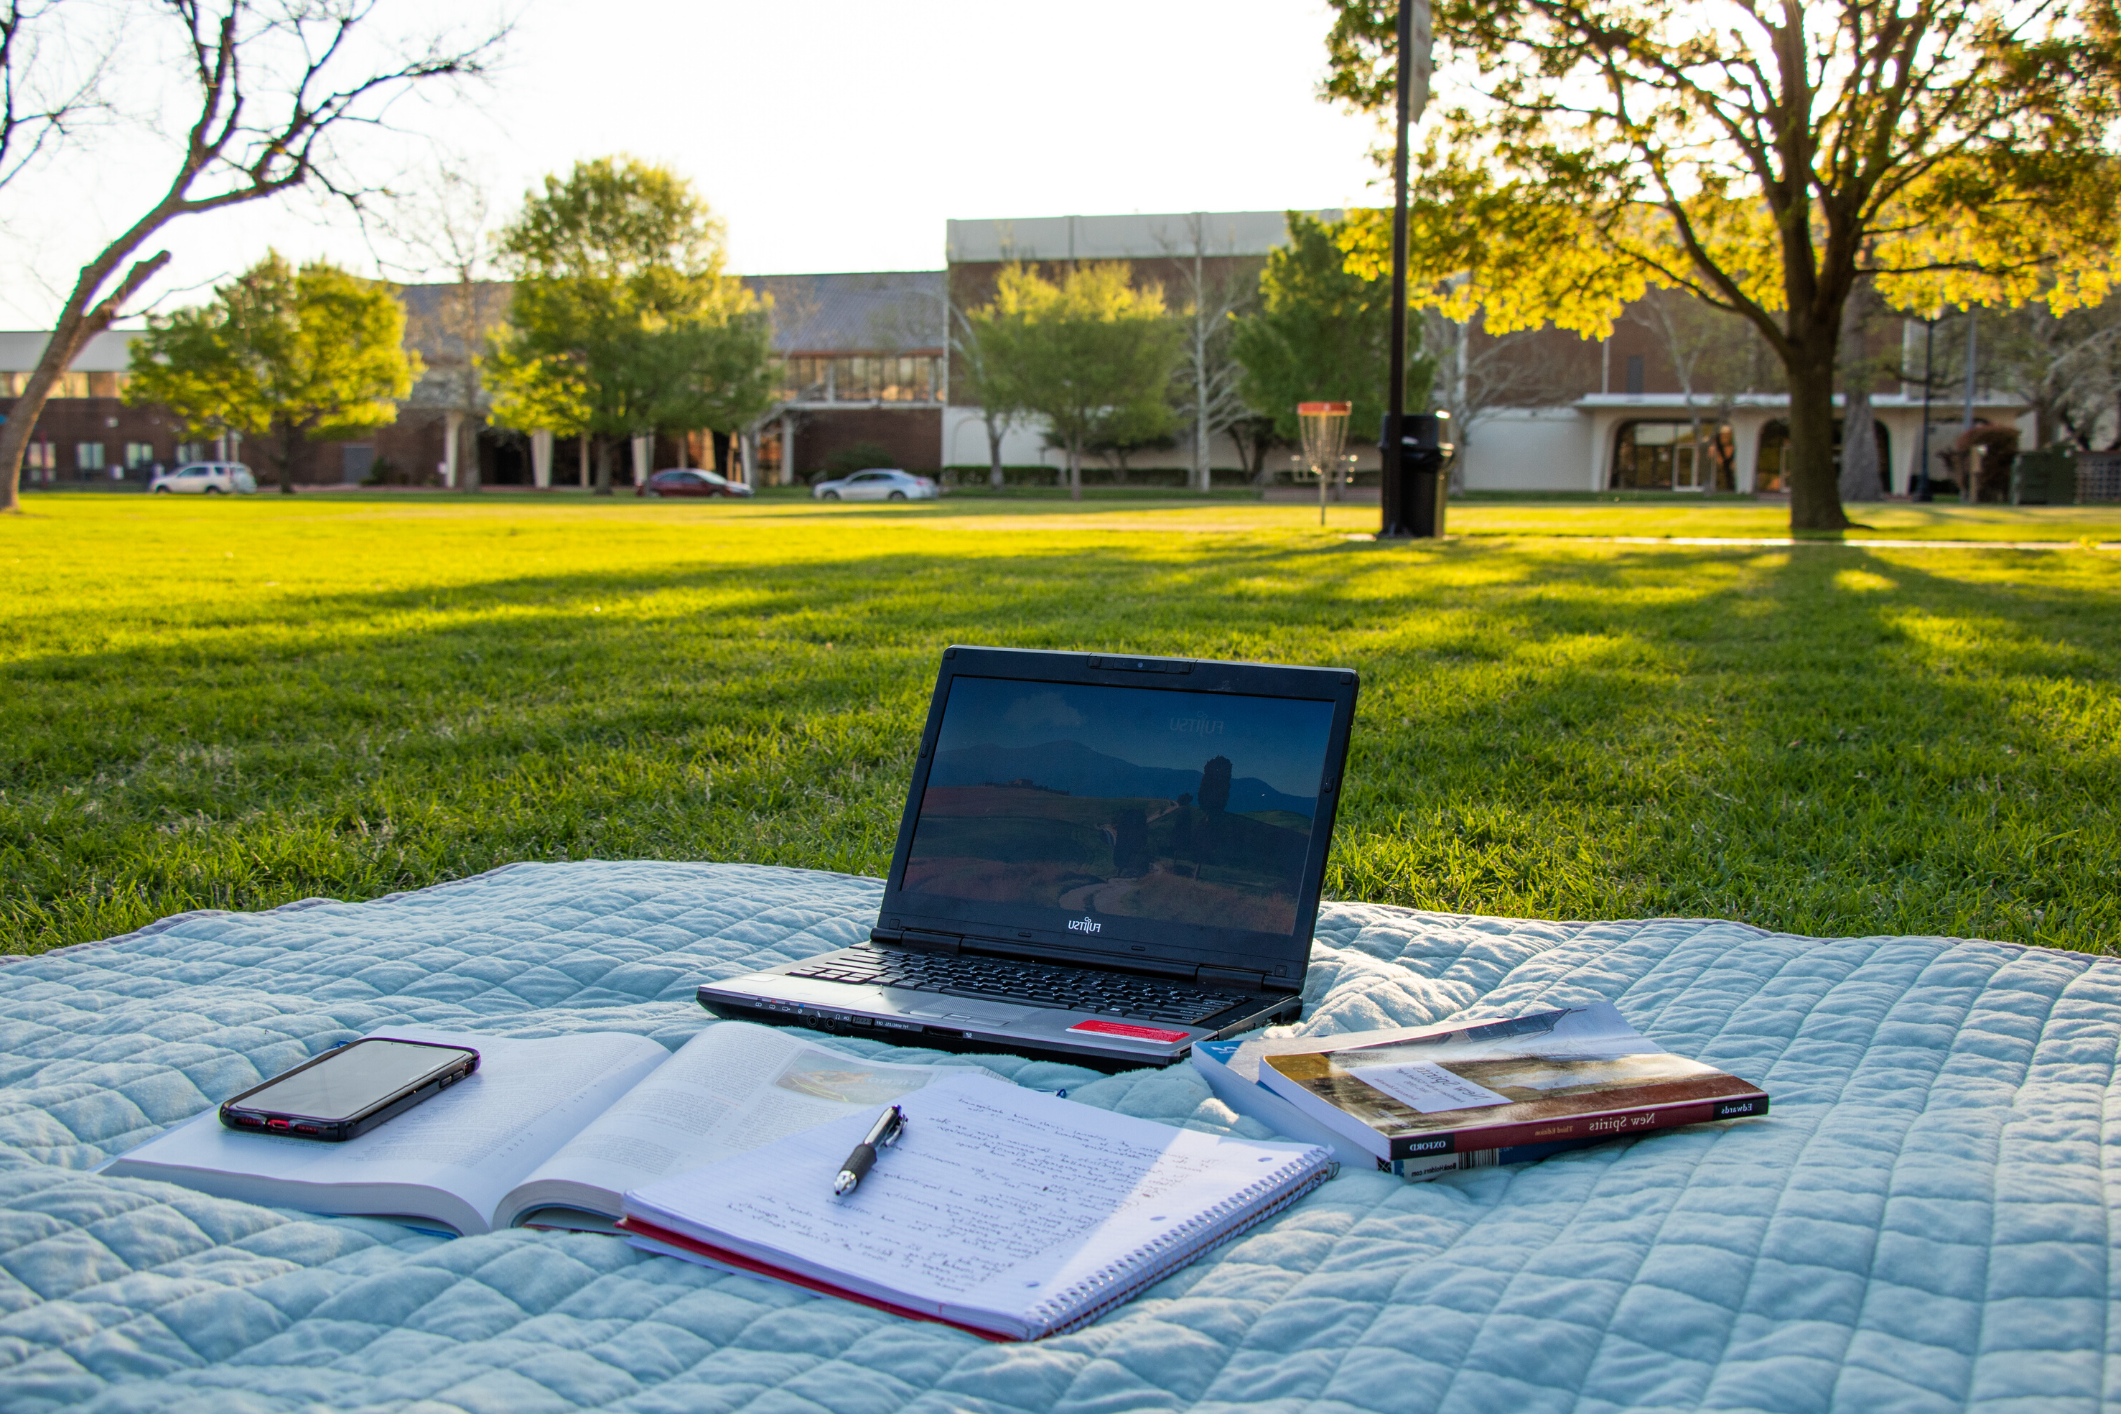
(1477, 373)
(1086, 353)
(1762, 158)
(271, 83)
(50, 83)
(990, 390)
(1129, 433)
(1707, 350)
(1209, 369)
(447, 233)
(1321, 335)
(2066, 367)
(623, 321)
(280, 354)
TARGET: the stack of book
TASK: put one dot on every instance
(1423, 1101)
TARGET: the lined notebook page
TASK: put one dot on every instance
(1000, 1208)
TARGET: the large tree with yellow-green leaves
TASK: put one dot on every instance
(624, 321)
(1765, 157)
(280, 354)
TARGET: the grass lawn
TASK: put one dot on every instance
(236, 703)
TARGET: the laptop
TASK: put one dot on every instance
(1102, 859)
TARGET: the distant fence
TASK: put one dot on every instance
(2098, 476)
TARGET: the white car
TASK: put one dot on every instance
(206, 479)
(877, 485)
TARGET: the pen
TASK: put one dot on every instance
(884, 1133)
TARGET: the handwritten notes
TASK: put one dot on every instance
(997, 1198)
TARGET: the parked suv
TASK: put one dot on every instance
(206, 479)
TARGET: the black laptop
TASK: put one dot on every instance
(1103, 859)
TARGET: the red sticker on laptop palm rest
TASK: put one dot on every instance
(1121, 1028)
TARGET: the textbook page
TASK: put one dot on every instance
(999, 1208)
(451, 1158)
(730, 1089)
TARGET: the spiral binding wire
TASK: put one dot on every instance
(1173, 1248)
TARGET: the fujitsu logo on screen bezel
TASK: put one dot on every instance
(1085, 924)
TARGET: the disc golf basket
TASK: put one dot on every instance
(1325, 433)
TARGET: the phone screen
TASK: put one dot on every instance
(353, 1080)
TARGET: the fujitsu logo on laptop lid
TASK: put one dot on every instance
(1085, 924)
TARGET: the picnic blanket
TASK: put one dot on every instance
(1922, 1223)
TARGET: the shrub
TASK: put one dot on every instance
(862, 456)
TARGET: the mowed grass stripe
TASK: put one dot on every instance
(237, 704)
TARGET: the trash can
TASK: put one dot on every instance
(1424, 463)
(2046, 478)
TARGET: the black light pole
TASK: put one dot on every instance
(1399, 517)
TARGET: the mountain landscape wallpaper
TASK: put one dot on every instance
(1183, 810)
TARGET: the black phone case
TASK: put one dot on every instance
(244, 1119)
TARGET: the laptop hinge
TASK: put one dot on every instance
(919, 938)
(1231, 977)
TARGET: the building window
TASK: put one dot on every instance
(1769, 474)
(88, 456)
(12, 384)
(193, 452)
(863, 378)
(1634, 373)
(1659, 456)
(71, 385)
(138, 454)
(42, 458)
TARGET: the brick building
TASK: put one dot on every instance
(86, 433)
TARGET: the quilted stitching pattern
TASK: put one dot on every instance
(1922, 1224)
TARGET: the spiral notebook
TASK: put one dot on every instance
(1007, 1212)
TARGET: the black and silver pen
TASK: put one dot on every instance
(884, 1133)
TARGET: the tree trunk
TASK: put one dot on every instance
(1859, 439)
(1814, 500)
(1075, 472)
(1859, 448)
(994, 454)
(604, 450)
(290, 440)
(468, 453)
(78, 321)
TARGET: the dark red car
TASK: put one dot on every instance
(691, 481)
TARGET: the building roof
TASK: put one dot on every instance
(1136, 237)
(107, 352)
(863, 312)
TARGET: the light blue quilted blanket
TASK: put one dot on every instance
(1922, 1224)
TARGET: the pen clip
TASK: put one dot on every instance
(894, 1126)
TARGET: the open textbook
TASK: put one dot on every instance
(545, 1133)
(1002, 1210)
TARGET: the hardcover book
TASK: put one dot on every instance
(1551, 1078)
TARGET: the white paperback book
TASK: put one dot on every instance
(1002, 1210)
(546, 1132)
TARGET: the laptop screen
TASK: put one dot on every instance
(1122, 803)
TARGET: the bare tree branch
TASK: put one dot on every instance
(272, 85)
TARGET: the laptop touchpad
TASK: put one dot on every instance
(954, 1008)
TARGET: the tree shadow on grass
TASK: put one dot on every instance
(1821, 740)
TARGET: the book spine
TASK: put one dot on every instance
(1606, 1124)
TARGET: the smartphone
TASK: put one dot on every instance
(350, 1089)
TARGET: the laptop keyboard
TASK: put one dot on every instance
(1034, 983)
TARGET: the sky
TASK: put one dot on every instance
(829, 136)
